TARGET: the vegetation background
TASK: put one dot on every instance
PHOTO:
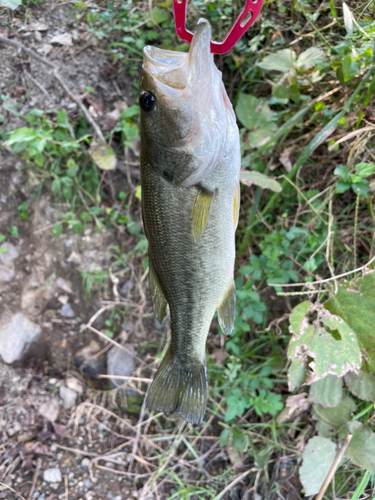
(292, 390)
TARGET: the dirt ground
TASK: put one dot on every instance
(48, 442)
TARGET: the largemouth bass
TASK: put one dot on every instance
(190, 165)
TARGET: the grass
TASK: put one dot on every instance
(311, 72)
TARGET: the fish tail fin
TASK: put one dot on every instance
(179, 388)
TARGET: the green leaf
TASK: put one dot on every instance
(296, 374)
(160, 15)
(331, 356)
(361, 449)
(283, 61)
(103, 156)
(72, 171)
(309, 58)
(57, 230)
(224, 437)
(298, 315)
(250, 177)
(348, 19)
(361, 385)
(13, 230)
(23, 134)
(255, 115)
(2, 237)
(355, 303)
(318, 458)
(327, 391)
(363, 187)
(343, 172)
(337, 416)
(342, 186)
(12, 4)
(239, 440)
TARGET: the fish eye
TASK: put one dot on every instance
(147, 101)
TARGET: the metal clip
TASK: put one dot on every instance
(243, 22)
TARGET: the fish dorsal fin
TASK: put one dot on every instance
(201, 211)
(159, 301)
(227, 311)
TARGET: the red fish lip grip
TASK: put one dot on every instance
(243, 22)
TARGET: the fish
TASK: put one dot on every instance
(190, 168)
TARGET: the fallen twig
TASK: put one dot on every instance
(335, 464)
(56, 74)
(35, 478)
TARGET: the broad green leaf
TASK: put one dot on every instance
(356, 305)
(296, 374)
(249, 177)
(331, 356)
(309, 58)
(361, 449)
(252, 112)
(327, 391)
(361, 187)
(361, 385)
(297, 316)
(342, 186)
(160, 15)
(343, 172)
(348, 19)
(339, 415)
(283, 61)
(23, 134)
(103, 156)
(224, 437)
(12, 4)
(365, 169)
(318, 458)
(57, 230)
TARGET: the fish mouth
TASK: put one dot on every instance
(182, 70)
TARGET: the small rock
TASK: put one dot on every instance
(66, 311)
(37, 36)
(8, 253)
(74, 258)
(68, 396)
(63, 299)
(87, 483)
(52, 475)
(121, 363)
(45, 49)
(16, 427)
(49, 409)
(65, 286)
(85, 464)
(74, 384)
(16, 337)
(6, 273)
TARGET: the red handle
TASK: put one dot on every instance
(243, 22)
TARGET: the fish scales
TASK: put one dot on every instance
(190, 162)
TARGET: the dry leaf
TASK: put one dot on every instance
(103, 156)
(110, 120)
(286, 159)
(35, 27)
(294, 406)
(219, 356)
(63, 39)
(60, 431)
(18, 91)
(45, 49)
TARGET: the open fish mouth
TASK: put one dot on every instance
(180, 70)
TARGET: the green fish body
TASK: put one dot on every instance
(190, 165)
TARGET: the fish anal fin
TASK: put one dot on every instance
(200, 212)
(236, 207)
(179, 388)
(159, 301)
(227, 311)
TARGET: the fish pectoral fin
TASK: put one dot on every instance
(159, 301)
(201, 211)
(179, 388)
(227, 311)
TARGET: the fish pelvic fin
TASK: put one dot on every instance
(178, 388)
(159, 301)
(227, 311)
(201, 211)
